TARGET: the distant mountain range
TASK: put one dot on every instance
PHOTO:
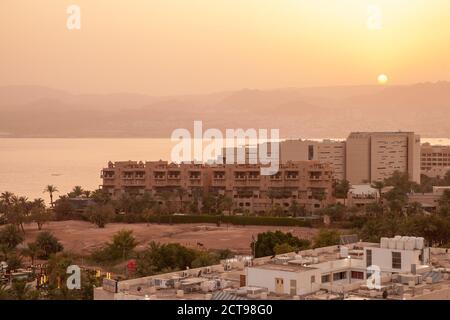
(33, 111)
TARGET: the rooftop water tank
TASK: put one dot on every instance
(392, 243)
(384, 242)
(399, 244)
(410, 243)
(420, 243)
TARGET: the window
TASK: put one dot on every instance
(368, 258)
(357, 275)
(396, 260)
(310, 152)
(313, 279)
(326, 278)
(339, 276)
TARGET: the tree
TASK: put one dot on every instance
(180, 193)
(39, 214)
(169, 257)
(341, 189)
(374, 209)
(400, 180)
(283, 248)
(20, 289)
(266, 242)
(47, 244)
(32, 251)
(10, 237)
(101, 196)
(14, 261)
(326, 237)
(124, 242)
(100, 214)
(6, 198)
(379, 186)
(296, 210)
(18, 211)
(225, 204)
(396, 199)
(77, 191)
(50, 189)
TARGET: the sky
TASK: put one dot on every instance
(164, 47)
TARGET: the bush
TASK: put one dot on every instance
(100, 214)
(327, 237)
(235, 220)
(266, 243)
(121, 248)
(173, 256)
(47, 244)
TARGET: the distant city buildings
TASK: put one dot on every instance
(326, 151)
(374, 156)
(309, 184)
(434, 160)
(308, 171)
(364, 157)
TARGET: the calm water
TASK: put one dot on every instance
(28, 165)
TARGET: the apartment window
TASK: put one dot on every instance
(357, 275)
(326, 278)
(368, 258)
(310, 152)
(396, 260)
(339, 276)
(313, 279)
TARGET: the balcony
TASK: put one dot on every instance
(108, 181)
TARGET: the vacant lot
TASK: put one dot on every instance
(81, 237)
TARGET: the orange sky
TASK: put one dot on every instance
(190, 46)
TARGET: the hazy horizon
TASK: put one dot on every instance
(175, 47)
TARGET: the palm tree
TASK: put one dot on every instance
(87, 193)
(6, 197)
(50, 189)
(32, 251)
(378, 185)
(77, 191)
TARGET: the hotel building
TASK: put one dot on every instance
(309, 183)
(374, 156)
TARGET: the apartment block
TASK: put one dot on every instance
(374, 156)
(308, 183)
(325, 151)
(434, 160)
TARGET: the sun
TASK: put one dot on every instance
(382, 79)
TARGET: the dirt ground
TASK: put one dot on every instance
(81, 237)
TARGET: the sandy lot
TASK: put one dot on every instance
(81, 237)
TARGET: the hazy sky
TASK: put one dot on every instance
(189, 46)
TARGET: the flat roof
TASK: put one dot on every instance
(289, 267)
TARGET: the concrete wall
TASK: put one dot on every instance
(382, 257)
(266, 278)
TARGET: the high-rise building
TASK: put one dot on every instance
(325, 151)
(374, 156)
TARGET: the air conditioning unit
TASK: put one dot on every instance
(227, 267)
(185, 274)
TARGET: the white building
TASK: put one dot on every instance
(399, 254)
